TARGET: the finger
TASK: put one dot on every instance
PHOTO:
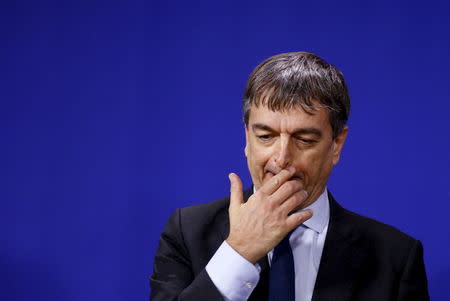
(277, 180)
(294, 202)
(286, 190)
(236, 192)
(296, 219)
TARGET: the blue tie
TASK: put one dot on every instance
(282, 273)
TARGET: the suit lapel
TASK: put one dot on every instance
(343, 259)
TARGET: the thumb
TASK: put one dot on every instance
(236, 192)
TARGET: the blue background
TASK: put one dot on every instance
(113, 114)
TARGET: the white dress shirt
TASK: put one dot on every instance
(235, 277)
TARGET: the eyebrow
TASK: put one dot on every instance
(299, 131)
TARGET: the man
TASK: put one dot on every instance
(286, 238)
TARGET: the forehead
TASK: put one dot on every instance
(290, 119)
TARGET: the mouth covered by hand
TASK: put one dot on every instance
(269, 173)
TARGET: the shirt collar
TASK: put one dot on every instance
(321, 212)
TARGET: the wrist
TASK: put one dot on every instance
(247, 252)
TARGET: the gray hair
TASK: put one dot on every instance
(297, 79)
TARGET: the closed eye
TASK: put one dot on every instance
(306, 141)
(264, 137)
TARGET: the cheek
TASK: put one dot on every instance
(258, 158)
(314, 162)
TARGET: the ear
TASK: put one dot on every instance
(338, 144)
(246, 141)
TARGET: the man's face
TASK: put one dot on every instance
(277, 140)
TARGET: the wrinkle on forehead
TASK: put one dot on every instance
(289, 121)
(276, 101)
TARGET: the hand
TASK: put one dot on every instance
(258, 225)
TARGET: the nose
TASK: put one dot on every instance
(283, 154)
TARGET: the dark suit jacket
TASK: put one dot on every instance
(362, 259)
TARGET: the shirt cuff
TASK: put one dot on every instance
(232, 274)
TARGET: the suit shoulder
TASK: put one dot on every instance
(194, 222)
(386, 245)
(211, 216)
(206, 209)
(379, 231)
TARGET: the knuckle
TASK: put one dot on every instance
(260, 194)
(271, 205)
(295, 186)
(291, 201)
(296, 202)
(290, 186)
(305, 215)
(277, 181)
(300, 195)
